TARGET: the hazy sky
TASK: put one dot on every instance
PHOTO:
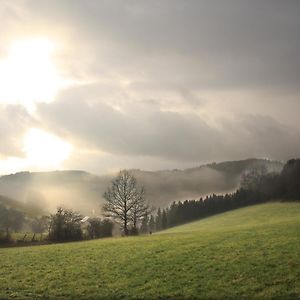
(103, 85)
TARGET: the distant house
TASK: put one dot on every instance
(85, 219)
(85, 222)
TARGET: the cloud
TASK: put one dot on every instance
(145, 130)
(199, 44)
(167, 82)
(14, 123)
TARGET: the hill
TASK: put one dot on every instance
(164, 187)
(29, 210)
(83, 191)
(249, 253)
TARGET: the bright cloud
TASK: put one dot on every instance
(155, 83)
(28, 74)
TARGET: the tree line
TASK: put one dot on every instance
(256, 186)
(126, 205)
(10, 220)
(67, 225)
(62, 226)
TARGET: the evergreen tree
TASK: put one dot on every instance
(144, 225)
(151, 223)
(164, 220)
(158, 220)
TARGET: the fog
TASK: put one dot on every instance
(83, 192)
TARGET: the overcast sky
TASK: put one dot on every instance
(156, 84)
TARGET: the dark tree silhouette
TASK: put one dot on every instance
(158, 220)
(145, 224)
(164, 220)
(140, 209)
(151, 224)
(65, 225)
(257, 186)
(10, 219)
(98, 228)
(252, 178)
(125, 201)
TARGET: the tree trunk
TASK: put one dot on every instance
(125, 227)
(134, 220)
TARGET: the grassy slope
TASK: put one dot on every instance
(248, 253)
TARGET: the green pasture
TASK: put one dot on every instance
(249, 253)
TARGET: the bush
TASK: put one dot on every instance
(65, 226)
(5, 237)
(10, 220)
(99, 229)
(133, 231)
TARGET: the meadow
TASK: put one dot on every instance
(248, 253)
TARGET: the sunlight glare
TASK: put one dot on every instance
(45, 150)
(28, 74)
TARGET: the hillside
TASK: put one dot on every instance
(29, 210)
(250, 253)
(83, 191)
(164, 187)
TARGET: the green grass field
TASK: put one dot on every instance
(248, 253)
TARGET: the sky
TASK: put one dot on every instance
(105, 85)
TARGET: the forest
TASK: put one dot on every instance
(257, 186)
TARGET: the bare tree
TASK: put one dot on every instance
(120, 199)
(251, 179)
(40, 225)
(125, 201)
(140, 209)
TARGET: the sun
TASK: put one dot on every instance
(28, 74)
(44, 150)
